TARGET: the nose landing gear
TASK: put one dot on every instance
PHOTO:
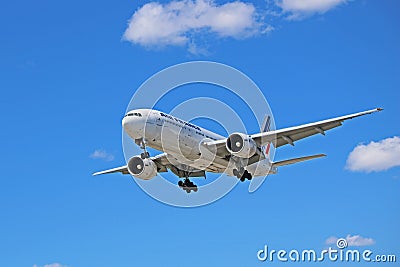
(142, 143)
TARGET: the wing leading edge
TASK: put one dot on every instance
(290, 135)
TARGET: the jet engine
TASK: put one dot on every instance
(241, 145)
(142, 168)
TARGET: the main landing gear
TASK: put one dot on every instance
(242, 174)
(187, 185)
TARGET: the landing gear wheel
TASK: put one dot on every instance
(188, 186)
(245, 175)
(249, 176)
(145, 155)
(235, 172)
(239, 173)
(142, 143)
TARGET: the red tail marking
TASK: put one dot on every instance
(267, 149)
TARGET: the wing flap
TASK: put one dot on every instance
(295, 135)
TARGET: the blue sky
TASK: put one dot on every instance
(68, 73)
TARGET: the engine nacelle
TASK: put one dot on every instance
(142, 168)
(241, 145)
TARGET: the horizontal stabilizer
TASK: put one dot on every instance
(295, 160)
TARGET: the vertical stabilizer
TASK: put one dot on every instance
(266, 127)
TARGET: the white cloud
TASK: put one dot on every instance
(301, 8)
(352, 241)
(179, 22)
(331, 240)
(187, 23)
(51, 265)
(375, 156)
(102, 154)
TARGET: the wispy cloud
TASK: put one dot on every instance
(298, 9)
(375, 156)
(102, 154)
(51, 265)
(352, 241)
(179, 22)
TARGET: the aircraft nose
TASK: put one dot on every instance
(124, 122)
(132, 124)
(131, 121)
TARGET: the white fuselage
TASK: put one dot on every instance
(181, 140)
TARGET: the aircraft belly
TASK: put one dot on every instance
(261, 168)
(183, 147)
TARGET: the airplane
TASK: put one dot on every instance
(191, 151)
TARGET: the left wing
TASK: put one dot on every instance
(290, 135)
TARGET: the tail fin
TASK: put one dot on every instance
(265, 127)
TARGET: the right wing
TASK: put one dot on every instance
(122, 169)
(163, 164)
(160, 160)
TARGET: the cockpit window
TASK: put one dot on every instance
(133, 114)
